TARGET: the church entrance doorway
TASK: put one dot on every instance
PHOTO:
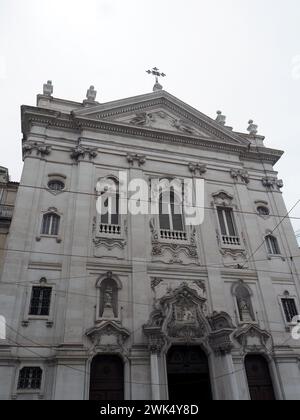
(188, 374)
(107, 378)
(259, 378)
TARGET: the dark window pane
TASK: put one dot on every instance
(46, 224)
(230, 223)
(290, 309)
(30, 378)
(40, 301)
(272, 245)
(222, 221)
(56, 185)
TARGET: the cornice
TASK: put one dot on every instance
(50, 118)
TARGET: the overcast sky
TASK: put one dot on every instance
(240, 56)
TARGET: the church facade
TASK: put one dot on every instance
(111, 306)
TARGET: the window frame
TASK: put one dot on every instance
(48, 319)
(57, 181)
(40, 304)
(269, 246)
(52, 214)
(30, 390)
(171, 214)
(287, 295)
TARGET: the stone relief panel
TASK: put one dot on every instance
(180, 316)
(162, 120)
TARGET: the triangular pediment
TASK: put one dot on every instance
(160, 112)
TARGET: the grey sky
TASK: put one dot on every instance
(240, 56)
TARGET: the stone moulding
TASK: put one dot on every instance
(108, 333)
(224, 141)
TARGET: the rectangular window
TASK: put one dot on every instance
(30, 378)
(40, 301)
(227, 226)
(290, 309)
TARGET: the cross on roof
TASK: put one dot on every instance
(155, 72)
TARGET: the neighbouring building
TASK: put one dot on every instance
(8, 193)
(112, 306)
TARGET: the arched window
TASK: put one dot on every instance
(108, 299)
(244, 304)
(170, 212)
(272, 245)
(110, 202)
(50, 225)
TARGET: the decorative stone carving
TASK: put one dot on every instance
(253, 339)
(156, 281)
(140, 159)
(201, 285)
(110, 243)
(48, 89)
(178, 317)
(222, 329)
(182, 126)
(197, 167)
(222, 198)
(272, 183)
(221, 119)
(175, 251)
(142, 119)
(253, 128)
(240, 174)
(108, 334)
(231, 256)
(40, 149)
(80, 152)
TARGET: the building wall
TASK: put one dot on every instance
(75, 262)
(8, 192)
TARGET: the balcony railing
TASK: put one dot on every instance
(231, 240)
(110, 229)
(173, 235)
(6, 212)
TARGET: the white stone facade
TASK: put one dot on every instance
(170, 290)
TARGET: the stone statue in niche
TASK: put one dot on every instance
(245, 310)
(109, 300)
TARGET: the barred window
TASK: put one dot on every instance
(30, 378)
(50, 225)
(40, 301)
(290, 308)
